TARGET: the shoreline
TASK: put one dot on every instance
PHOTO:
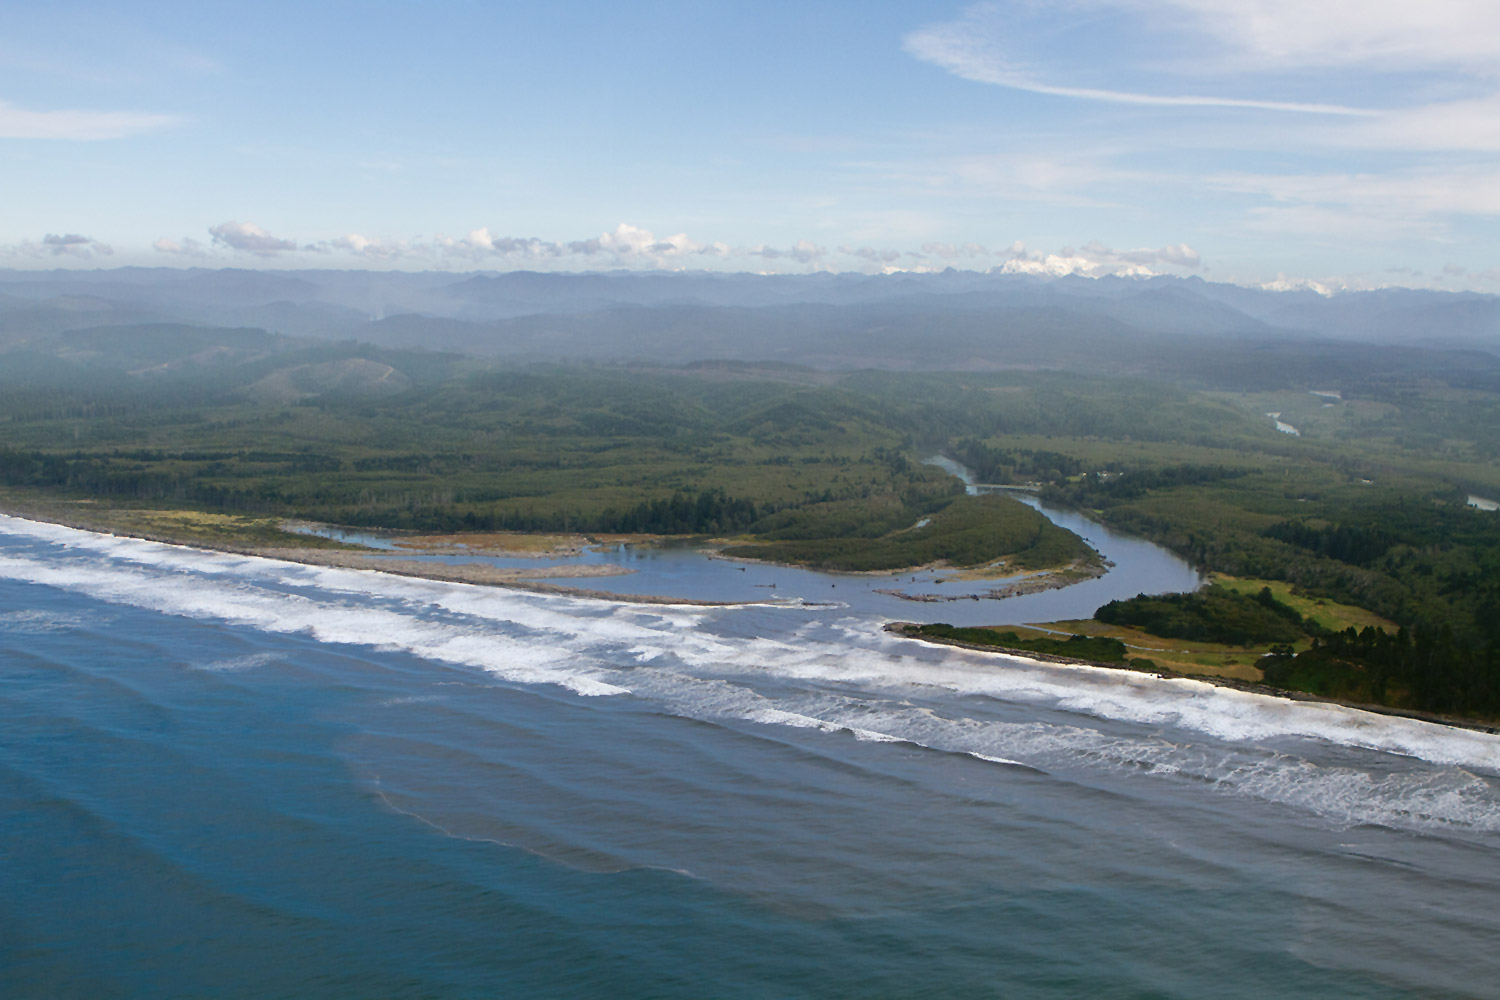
(337, 554)
(528, 581)
(320, 549)
(476, 574)
(903, 630)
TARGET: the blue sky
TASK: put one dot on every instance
(1348, 142)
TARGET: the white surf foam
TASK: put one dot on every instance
(235, 664)
(524, 661)
(842, 675)
(36, 622)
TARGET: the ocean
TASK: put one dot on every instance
(223, 776)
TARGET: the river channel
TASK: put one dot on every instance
(687, 571)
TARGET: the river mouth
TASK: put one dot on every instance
(691, 573)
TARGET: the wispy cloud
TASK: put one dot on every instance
(1391, 207)
(20, 123)
(1287, 34)
(974, 48)
(1468, 125)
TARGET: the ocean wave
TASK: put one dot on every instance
(834, 675)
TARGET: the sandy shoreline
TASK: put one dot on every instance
(903, 629)
(343, 555)
(480, 574)
(530, 580)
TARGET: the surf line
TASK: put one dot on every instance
(467, 573)
(907, 630)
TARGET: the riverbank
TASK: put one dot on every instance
(907, 630)
(647, 568)
(536, 580)
(520, 560)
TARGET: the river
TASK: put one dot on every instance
(1137, 566)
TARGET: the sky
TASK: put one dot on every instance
(1342, 143)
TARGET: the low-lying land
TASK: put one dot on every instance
(175, 431)
(995, 534)
(1232, 631)
(1084, 649)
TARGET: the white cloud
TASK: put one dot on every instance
(185, 247)
(74, 245)
(954, 251)
(364, 246)
(480, 244)
(1388, 34)
(1431, 70)
(636, 247)
(59, 245)
(974, 48)
(1096, 260)
(628, 241)
(803, 251)
(873, 255)
(249, 237)
(625, 246)
(1470, 125)
(1385, 207)
(19, 123)
(480, 239)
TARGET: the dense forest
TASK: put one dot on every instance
(1073, 647)
(1214, 614)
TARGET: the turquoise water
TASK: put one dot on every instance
(231, 777)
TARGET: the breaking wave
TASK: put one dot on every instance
(807, 667)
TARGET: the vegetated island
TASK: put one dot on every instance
(985, 537)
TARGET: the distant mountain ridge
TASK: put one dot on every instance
(896, 320)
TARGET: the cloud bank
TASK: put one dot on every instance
(629, 246)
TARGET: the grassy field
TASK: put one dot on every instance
(1331, 615)
(1181, 656)
(1197, 658)
(191, 527)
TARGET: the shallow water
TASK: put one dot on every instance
(228, 776)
